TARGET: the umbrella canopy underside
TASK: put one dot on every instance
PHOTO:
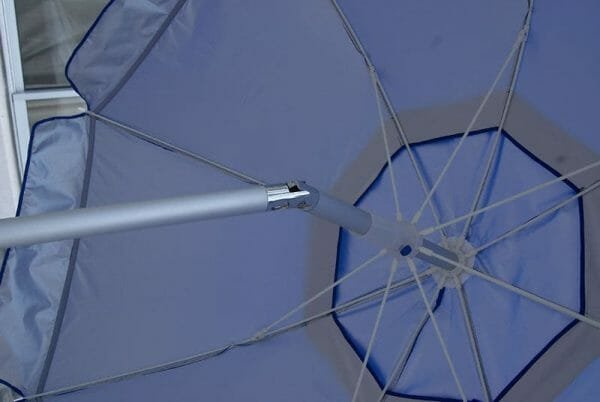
(348, 96)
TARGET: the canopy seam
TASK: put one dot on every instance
(140, 59)
(69, 275)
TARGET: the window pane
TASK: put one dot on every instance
(42, 109)
(49, 30)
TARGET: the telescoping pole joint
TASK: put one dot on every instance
(401, 237)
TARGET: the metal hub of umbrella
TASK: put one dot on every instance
(313, 201)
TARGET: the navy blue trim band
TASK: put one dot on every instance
(371, 367)
(12, 387)
(79, 45)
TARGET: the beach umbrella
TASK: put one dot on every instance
(313, 201)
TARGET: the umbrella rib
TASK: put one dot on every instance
(472, 339)
(223, 349)
(487, 96)
(438, 332)
(409, 150)
(386, 144)
(497, 204)
(393, 268)
(514, 289)
(178, 150)
(349, 305)
(535, 219)
(381, 90)
(506, 108)
(483, 182)
(403, 358)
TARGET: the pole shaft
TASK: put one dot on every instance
(77, 223)
(342, 213)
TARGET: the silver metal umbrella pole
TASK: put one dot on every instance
(83, 222)
(398, 236)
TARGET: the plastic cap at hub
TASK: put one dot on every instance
(406, 250)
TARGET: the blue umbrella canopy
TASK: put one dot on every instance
(473, 122)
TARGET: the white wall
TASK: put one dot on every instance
(9, 173)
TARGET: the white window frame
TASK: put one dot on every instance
(17, 94)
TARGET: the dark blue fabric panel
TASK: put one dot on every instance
(271, 88)
(560, 70)
(429, 54)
